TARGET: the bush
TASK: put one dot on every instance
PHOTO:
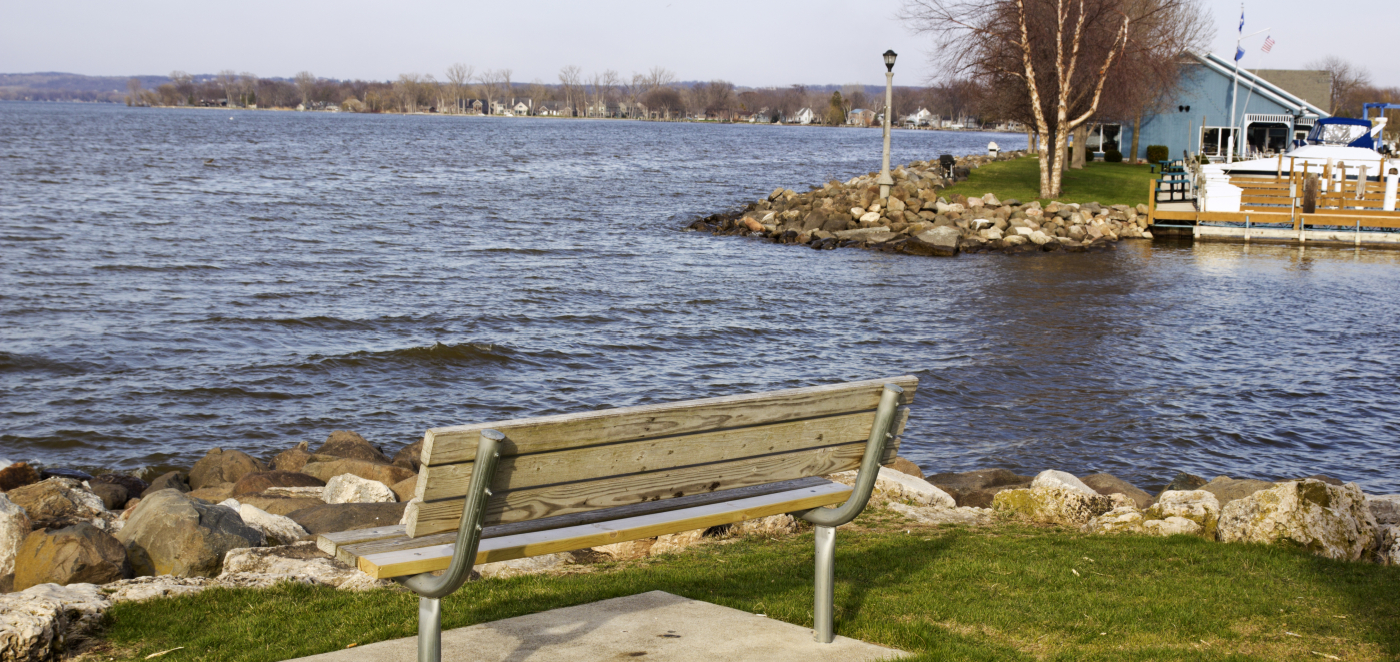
(1113, 156)
(1157, 153)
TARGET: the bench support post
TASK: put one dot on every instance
(823, 621)
(429, 629)
(431, 589)
(827, 519)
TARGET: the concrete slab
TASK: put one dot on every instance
(654, 626)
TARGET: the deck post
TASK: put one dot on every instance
(1151, 201)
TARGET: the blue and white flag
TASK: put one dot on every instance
(1239, 53)
(1242, 20)
(1239, 50)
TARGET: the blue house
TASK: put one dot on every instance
(1197, 120)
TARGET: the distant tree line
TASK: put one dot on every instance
(655, 94)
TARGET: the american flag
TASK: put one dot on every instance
(1268, 44)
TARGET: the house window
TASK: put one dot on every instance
(1215, 141)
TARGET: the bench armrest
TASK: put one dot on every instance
(469, 530)
(869, 465)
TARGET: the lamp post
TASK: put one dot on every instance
(885, 180)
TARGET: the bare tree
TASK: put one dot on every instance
(459, 76)
(1346, 80)
(632, 91)
(571, 79)
(1060, 51)
(659, 77)
(306, 85)
(507, 88)
(133, 91)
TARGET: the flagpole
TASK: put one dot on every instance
(1235, 92)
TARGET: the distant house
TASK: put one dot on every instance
(521, 108)
(861, 117)
(804, 116)
(1268, 117)
(920, 118)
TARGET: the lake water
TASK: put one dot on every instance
(174, 280)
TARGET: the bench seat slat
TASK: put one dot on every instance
(550, 501)
(567, 466)
(349, 545)
(449, 445)
(505, 548)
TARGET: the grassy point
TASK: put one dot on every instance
(1105, 183)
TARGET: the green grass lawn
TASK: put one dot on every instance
(1006, 592)
(1105, 183)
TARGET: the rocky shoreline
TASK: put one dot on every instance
(917, 220)
(72, 544)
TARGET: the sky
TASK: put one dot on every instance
(754, 43)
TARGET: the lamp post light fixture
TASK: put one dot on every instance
(885, 180)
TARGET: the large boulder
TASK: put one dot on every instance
(891, 485)
(219, 466)
(1055, 478)
(349, 488)
(298, 562)
(1184, 482)
(347, 444)
(942, 241)
(77, 554)
(57, 502)
(905, 466)
(976, 489)
(170, 480)
(332, 517)
(384, 473)
(1389, 548)
(18, 474)
(114, 497)
(1198, 506)
(213, 493)
(277, 529)
(1385, 508)
(408, 456)
(293, 459)
(171, 534)
(405, 489)
(258, 481)
(14, 528)
(1123, 519)
(1227, 489)
(1107, 484)
(280, 505)
(1053, 504)
(1325, 519)
(47, 621)
(134, 486)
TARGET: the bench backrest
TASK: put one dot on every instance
(572, 463)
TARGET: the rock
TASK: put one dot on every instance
(77, 554)
(293, 459)
(977, 488)
(46, 621)
(1389, 549)
(134, 486)
(1199, 506)
(943, 239)
(173, 480)
(891, 485)
(219, 466)
(905, 466)
(114, 497)
(1107, 484)
(138, 589)
(928, 515)
(57, 502)
(530, 565)
(281, 505)
(1325, 519)
(1386, 509)
(991, 200)
(349, 488)
(301, 561)
(384, 473)
(626, 551)
(895, 204)
(869, 217)
(347, 444)
(1123, 519)
(1227, 489)
(332, 517)
(1053, 478)
(213, 493)
(407, 457)
(17, 475)
(1326, 479)
(1171, 526)
(1053, 504)
(258, 481)
(862, 233)
(404, 489)
(752, 224)
(1184, 482)
(677, 542)
(60, 472)
(14, 528)
(1039, 238)
(974, 203)
(277, 529)
(768, 527)
(170, 533)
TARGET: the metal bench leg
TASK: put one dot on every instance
(822, 618)
(429, 630)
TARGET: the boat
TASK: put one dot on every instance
(1356, 143)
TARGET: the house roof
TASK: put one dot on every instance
(1261, 86)
(1315, 87)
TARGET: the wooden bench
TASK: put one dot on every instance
(512, 489)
